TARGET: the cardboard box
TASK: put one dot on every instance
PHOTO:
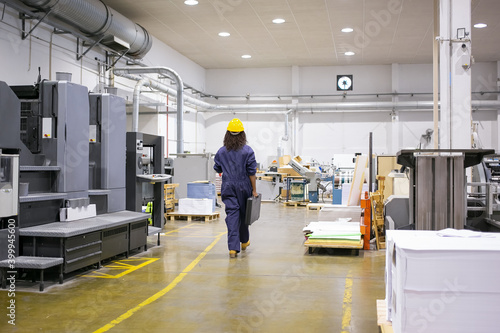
(283, 160)
(196, 206)
(288, 170)
(443, 284)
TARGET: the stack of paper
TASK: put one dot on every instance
(443, 281)
(333, 232)
(336, 212)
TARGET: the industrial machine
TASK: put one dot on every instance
(312, 179)
(71, 150)
(438, 185)
(192, 167)
(107, 141)
(145, 177)
(9, 207)
(483, 201)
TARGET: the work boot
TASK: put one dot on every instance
(245, 245)
(232, 253)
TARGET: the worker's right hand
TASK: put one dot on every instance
(255, 194)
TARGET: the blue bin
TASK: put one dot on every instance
(202, 191)
(337, 196)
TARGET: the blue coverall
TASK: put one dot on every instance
(236, 188)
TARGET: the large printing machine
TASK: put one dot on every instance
(71, 148)
(440, 196)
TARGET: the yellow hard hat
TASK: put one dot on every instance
(235, 125)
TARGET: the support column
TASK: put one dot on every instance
(395, 140)
(455, 78)
(295, 101)
(497, 148)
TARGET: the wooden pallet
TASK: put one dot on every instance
(296, 203)
(326, 244)
(385, 326)
(169, 196)
(315, 206)
(191, 217)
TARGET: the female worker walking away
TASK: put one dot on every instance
(236, 161)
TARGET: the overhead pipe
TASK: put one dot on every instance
(92, 19)
(129, 72)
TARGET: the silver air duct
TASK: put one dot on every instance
(94, 19)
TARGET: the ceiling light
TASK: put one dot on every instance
(191, 2)
(349, 53)
(278, 21)
(246, 56)
(224, 34)
(480, 25)
(347, 30)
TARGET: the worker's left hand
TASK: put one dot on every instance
(255, 194)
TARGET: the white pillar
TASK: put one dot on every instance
(455, 76)
(394, 143)
(295, 116)
(497, 148)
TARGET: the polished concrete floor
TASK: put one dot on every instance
(189, 284)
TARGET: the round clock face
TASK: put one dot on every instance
(344, 83)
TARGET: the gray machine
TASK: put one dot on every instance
(192, 167)
(438, 186)
(54, 148)
(145, 177)
(48, 124)
(107, 151)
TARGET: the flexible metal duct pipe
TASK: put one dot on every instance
(129, 73)
(96, 20)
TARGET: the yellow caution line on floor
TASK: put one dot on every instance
(117, 265)
(177, 230)
(161, 293)
(347, 304)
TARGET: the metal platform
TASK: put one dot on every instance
(27, 262)
(73, 228)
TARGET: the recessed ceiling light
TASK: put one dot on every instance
(246, 56)
(278, 21)
(347, 30)
(480, 25)
(191, 2)
(349, 53)
(224, 34)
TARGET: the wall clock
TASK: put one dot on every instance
(344, 82)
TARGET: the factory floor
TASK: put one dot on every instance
(189, 284)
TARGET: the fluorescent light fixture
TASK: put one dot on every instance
(224, 34)
(349, 53)
(279, 21)
(347, 30)
(246, 56)
(480, 25)
(191, 2)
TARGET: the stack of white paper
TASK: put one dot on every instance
(443, 281)
(333, 230)
(195, 206)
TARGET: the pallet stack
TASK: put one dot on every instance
(170, 200)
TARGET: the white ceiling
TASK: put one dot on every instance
(311, 35)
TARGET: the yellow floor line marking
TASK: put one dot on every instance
(118, 265)
(347, 304)
(162, 292)
(176, 230)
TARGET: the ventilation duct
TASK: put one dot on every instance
(94, 19)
